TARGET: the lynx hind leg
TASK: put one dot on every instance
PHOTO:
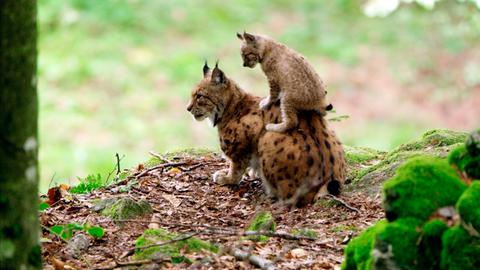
(289, 119)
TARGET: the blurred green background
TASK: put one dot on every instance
(115, 75)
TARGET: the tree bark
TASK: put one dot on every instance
(19, 229)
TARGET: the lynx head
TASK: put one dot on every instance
(252, 49)
(210, 95)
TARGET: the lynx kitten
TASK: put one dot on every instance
(291, 78)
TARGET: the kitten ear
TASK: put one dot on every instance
(218, 77)
(206, 69)
(248, 37)
(239, 36)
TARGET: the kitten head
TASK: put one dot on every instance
(210, 95)
(252, 49)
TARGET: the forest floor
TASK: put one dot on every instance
(185, 200)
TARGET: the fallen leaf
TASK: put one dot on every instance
(298, 253)
(172, 199)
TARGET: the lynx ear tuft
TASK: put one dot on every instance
(206, 69)
(217, 75)
(248, 37)
(239, 36)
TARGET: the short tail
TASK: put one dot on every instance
(334, 187)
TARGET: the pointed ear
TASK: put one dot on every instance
(206, 69)
(217, 75)
(249, 37)
(239, 36)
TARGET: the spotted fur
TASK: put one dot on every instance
(294, 166)
(292, 79)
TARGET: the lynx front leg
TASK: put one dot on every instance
(232, 175)
(274, 95)
(289, 119)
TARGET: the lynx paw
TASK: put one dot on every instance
(264, 103)
(276, 127)
(221, 177)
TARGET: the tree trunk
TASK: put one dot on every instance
(19, 229)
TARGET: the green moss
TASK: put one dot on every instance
(343, 228)
(436, 143)
(355, 155)
(305, 232)
(359, 157)
(465, 162)
(262, 221)
(473, 143)
(397, 242)
(358, 252)
(433, 138)
(175, 250)
(421, 186)
(460, 251)
(430, 246)
(468, 206)
(126, 208)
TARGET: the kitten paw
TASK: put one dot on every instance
(221, 177)
(264, 103)
(276, 127)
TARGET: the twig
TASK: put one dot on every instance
(222, 231)
(191, 167)
(185, 237)
(118, 163)
(258, 261)
(51, 179)
(129, 263)
(163, 165)
(335, 198)
(116, 167)
(159, 157)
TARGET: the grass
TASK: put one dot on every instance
(115, 76)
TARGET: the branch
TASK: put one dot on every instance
(163, 165)
(211, 230)
(258, 261)
(185, 237)
(129, 263)
(335, 198)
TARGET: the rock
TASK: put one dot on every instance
(102, 204)
(421, 186)
(468, 207)
(367, 177)
(460, 250)
(465, 161)
(430, 245)
(358, 252)
(473, 143)
(175, 250)
(77, 245)
(123, 208)
(398, 240)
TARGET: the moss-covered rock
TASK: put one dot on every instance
(438, 143)
(175, 250)
(430, 246)
(461, 158)
(473, 143)
(126, 208)
(421, 186)
(468, 206)
(395, 245)
(262, 221)
(358, 158)
(460, 251)
(358, 253)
